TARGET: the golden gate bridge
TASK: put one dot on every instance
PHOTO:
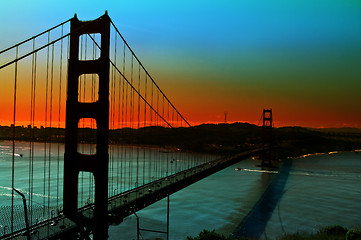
(121, 149)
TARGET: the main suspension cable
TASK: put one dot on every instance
(125, 42)
(32, 38)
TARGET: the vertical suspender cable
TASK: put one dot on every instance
(163, 107)
(118, 115)
(160, 159)
(67, 57)
(45, 124)
(127, 126)
(165, 126)
(50, 123)
(31, 125)
(114, 115)
(32, 119)
(112, 118)
(151, 124)
(32, 137)
(118, 124)
(125, 118)
(122, 181)
(85, 75)
(80, 99)
(13, 157)
(110, 149)
(111, 105)
(59, 119)
(93, 94)
(144, 125)
(84, 189)
(131, 120)
(157, 124)
(138, 128)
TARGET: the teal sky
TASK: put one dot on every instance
(301, 58)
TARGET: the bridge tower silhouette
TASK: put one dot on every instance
(75, 162)
(267, 125)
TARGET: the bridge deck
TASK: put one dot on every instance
(126, 203)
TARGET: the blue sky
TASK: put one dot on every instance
(302, 58)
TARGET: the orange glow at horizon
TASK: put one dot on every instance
(239, 109)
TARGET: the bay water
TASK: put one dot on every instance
(320, 190)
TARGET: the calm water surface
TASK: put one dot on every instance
(321, 190)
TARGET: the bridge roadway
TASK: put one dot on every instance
(126, 203)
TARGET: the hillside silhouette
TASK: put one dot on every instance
(212, 138)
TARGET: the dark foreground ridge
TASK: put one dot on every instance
(335, 232)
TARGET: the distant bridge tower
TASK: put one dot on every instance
(75, 162)
(267, 136)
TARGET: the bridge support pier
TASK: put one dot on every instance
(75, 162)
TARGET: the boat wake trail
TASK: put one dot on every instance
(256, 170)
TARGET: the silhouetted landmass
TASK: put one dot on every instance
(295, 141)
(214, 138)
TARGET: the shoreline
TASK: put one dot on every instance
(324, 153)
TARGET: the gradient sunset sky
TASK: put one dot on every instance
(302, 58)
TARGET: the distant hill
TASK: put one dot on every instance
(215, 138)
(338, 130)
(295, 141)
